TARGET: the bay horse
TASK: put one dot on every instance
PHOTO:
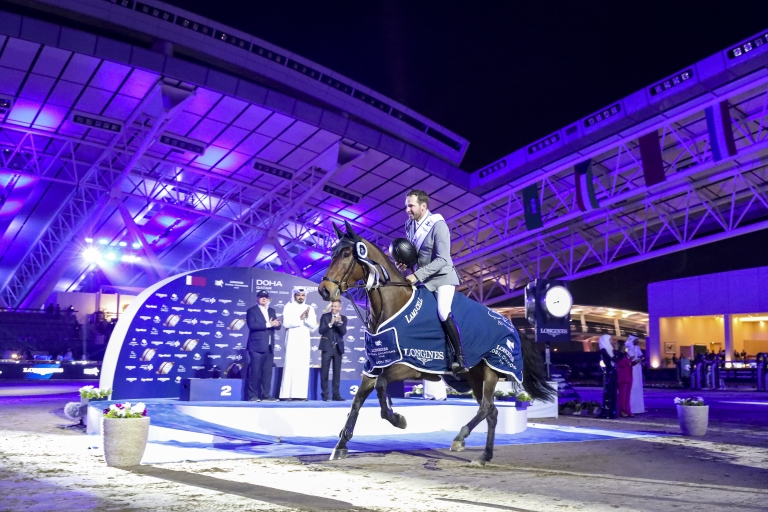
(388, 291)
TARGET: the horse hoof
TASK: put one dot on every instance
(400, 421)
(457, 446)
(477, 463)
(339, 454)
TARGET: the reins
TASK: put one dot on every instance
(369, 283)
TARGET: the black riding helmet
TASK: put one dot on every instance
(403, 251)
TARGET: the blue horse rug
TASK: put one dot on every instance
(414, 337)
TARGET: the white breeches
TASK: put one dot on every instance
(444, 295)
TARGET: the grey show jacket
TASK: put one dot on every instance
(435, 264)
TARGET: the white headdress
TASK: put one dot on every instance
(631, 340)
(605, 342)
(297, 289)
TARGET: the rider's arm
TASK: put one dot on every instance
(442, 252)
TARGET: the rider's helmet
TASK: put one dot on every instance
(403, 251)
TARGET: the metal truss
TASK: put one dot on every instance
(284, 217)
(701, 201)
(41, 155)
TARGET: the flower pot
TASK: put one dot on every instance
(504, 399)
(522, 405)
(693, 419)
(124, 440)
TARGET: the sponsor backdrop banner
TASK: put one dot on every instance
(194, 325)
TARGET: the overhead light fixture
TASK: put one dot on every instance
(341, 193)
(747, 47)
(274, 171)
(753, 318)
(671, 82)
(110, 256)
(544, 143)
(122, 244)
(492, 169)
(130, 258)
(103, 241)
(602, 115)
(182, 143)
(97, 122)
(136, 245)
(5, 104)
(89, 240)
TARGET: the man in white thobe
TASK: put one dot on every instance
(299, 320)
(635, 353)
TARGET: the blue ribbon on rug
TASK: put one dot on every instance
(414, 336)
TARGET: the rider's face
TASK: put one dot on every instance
(414, 208)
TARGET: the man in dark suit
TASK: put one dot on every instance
(333, 327)
(262, 322)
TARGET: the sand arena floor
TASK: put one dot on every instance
(45, 467)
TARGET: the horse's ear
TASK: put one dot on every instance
(337, 230)
(350, 232)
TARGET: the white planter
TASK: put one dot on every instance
(124, 440)
(693, 419)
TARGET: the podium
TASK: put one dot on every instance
(211, 390)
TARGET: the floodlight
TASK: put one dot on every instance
(92, 254)
(122, 244)
(103, 241)
(110, 256)
(89, 240)
(136, 245)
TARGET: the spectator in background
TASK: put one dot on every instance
(49, 308)
(67, 355)
(608, 410)
(624, 381)
(635, 354)
(57, 310)
(744, 355)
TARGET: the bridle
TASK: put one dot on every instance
(374, 281)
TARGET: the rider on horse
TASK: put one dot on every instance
(429, 233)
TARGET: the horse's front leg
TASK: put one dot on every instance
(366, 386)
(387, 412)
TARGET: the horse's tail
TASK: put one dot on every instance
(534, 377)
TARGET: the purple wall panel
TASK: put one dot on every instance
(40, 31)
(77, 41)
(121, 107)
(252, 117)
(207, 130)
(24, 111)
(684, 295)
(50, 117)
(139, 83)
(182, 123)
(51, 61)
(203, 101)
(19, 54)
(743, 291)
(253, 144)
(321, 141)
(80, 69)
(93, 100)
(276, 150)
(227, 109)
(109, 76)
(10, 81)
(231, 137)
(37, 87)
(65, 93)
(274, 125)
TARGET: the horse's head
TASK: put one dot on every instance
(345, 269)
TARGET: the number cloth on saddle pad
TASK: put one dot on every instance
(415, 337)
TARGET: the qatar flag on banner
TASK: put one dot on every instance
(196, 281)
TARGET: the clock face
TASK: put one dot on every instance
(558, 301)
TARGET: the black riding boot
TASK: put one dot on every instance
(454, 337)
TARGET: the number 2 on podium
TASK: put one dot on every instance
(226, 390)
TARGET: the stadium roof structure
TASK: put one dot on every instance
(175, 143)
(158, 142)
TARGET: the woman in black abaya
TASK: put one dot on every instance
(609, 378)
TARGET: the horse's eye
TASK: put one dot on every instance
(347, 254)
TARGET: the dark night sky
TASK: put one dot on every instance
(503, 74)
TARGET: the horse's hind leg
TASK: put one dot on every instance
(366, 386)
(483, 381)
(387, 413)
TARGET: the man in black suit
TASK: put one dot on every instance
(333, 327)
(262, 322)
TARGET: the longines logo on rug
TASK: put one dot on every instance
(424, 355)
